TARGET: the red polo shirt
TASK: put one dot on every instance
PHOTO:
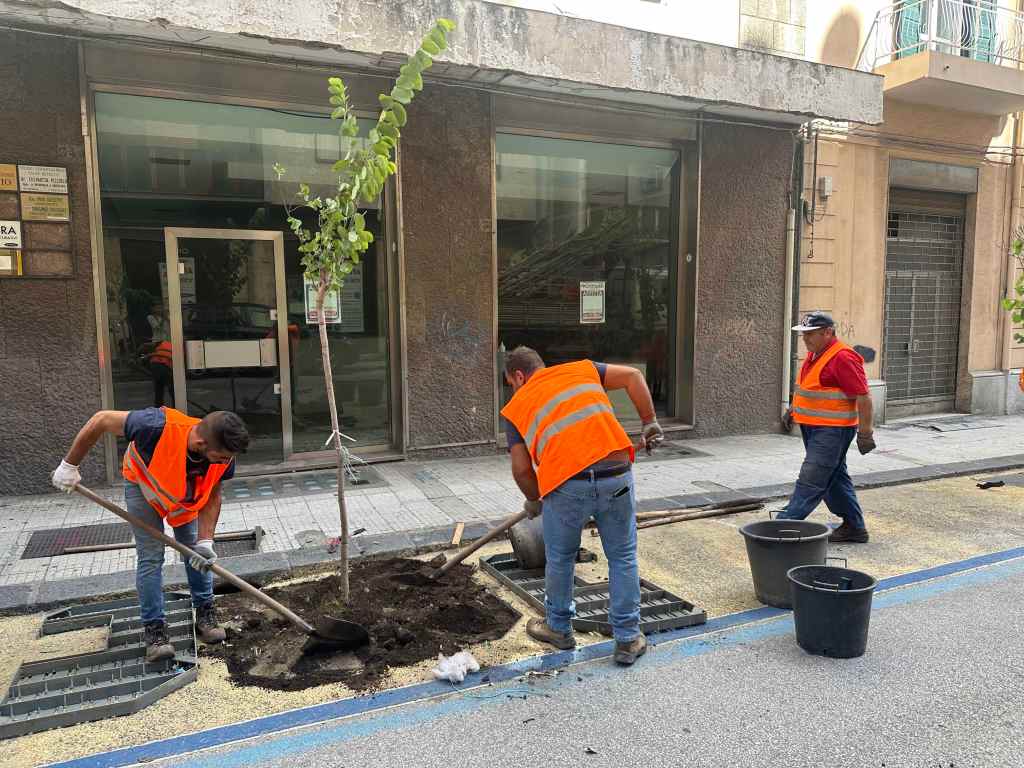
(845, 370)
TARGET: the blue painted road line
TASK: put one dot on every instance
(347, 708)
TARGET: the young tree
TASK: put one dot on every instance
(333, 247)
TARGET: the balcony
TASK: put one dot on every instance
(961, 54)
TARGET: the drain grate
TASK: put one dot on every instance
(54, 542)
(660, 610)
(669, 450)
(78, 689)
(297, 484)
(51, 542)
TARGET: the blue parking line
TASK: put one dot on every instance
(346, 708)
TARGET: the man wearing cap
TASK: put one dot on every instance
(832, 405)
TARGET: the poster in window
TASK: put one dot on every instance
(592, 305)
(330, 304)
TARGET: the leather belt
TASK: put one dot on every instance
(596, 474)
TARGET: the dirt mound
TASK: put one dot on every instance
(410, 618)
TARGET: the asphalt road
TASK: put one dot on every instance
(942, 684)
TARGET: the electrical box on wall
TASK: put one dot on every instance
(824, 187)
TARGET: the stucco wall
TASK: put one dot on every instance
(449, 274)
(49, 377)
(741, 280)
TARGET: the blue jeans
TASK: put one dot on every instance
(150, 553)
(823, 476)
(566, 511)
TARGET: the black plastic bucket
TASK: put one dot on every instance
(831, 609)
(775, 546)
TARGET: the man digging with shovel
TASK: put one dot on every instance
(568, 449)
(172, 468)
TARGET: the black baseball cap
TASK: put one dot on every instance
(812, 321)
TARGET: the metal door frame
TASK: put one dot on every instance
(171, 237)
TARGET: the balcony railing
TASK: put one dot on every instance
(974, 29)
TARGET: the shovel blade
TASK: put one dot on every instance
(331, 634)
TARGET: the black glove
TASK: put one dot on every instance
(865, 442)
(787, 420)
(532, 508)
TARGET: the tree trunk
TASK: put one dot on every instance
(325, 353)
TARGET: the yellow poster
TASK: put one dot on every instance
(8, 177)
(39, 207)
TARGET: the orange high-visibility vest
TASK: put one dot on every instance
(162, 354)
(163, 480)
(567, 422)
(821, 406)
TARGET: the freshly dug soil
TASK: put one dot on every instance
(410, 618)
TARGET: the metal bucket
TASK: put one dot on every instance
(527, 537)
(775, 546)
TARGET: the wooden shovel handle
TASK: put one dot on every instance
(465, 552)
(245, 586)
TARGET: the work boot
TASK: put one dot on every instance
(627, 653)
(847, 534)
(158, 646)
(538, 629)
(210, 632)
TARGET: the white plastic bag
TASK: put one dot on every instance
(455, 667)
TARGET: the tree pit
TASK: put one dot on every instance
(410, 617)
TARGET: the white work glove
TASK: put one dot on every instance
(454, 668)
(205, 556)
(66, 477)
(532, 508)
(652, 434)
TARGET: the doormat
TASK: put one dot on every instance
(54, 542)
(296, 484)
(660, 610)
(94, 686)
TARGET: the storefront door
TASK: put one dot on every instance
(229, 331)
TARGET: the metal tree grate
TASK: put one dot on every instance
(296, 484)
(53, 542)
(94, 686)
(660, 610)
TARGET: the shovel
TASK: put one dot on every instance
(465, 552)
(327, 634)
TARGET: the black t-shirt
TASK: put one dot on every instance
(512, 434)
(144, 428)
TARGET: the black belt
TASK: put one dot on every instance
(613, 470)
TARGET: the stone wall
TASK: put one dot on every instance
(446, 182)
(741, 280)
(49, 377)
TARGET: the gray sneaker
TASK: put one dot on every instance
(627, 653)
(158, 645)
(538, 629)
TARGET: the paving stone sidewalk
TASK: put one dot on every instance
(416, 504)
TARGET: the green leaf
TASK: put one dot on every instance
(337, 101)
(374, 136)
(382, 148)
(406, 81)
(386, 101)
(1008, 304)
(403, 95)
(338, 113)
(388, 130)
(423, 59)
(438, 38)
(431, 47)
(401, 116)
(446, 24)
(340, 165)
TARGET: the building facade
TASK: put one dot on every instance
(586, 188)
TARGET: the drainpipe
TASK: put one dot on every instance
(792, 291)
(1009, 263)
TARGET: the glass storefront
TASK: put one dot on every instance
(198, 165)
(588, 256)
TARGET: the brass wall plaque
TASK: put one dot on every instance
(8, 177)
(38, 207)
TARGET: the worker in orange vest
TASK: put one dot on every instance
(161, 369)
(573, 461)
(172, 468)
(832, 405)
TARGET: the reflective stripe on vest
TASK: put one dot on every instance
(817, 405)
(567, 422)
(147, 488)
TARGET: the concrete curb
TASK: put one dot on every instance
(37, 596)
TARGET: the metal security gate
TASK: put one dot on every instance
(923, 275)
